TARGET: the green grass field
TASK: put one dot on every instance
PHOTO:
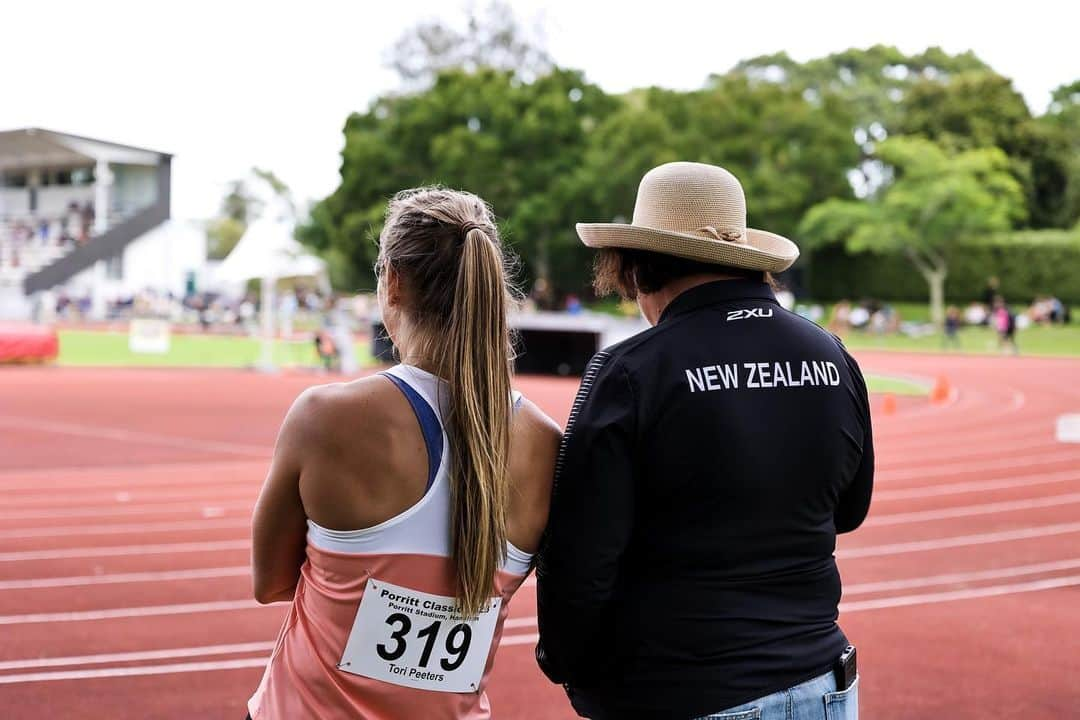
(1032, 341)
(94, 348)
(894, 385)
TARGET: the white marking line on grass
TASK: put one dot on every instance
(972, 510)
(118, 578)
(124, 435)
(172, 668)
(124, 550)
(212, 523)
(959, 541)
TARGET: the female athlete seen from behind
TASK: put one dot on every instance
(401, 510)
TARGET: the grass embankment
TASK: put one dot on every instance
(110, 349)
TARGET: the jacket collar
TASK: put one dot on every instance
(714, 293)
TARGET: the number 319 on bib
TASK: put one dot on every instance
(415, 639)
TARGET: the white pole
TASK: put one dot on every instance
(268, 304)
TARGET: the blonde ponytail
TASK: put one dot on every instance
(477, 367)
(445, 246)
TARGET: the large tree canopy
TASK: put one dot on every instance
(936, 203)
(921, 140)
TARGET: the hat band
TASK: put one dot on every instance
(734, 236)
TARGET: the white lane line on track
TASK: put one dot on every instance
(129, 612)
(524, 639)
(132, 436)
(168, 669)
(964, 577)
(129, 528)
(136, 656)
(969, 594)
(893, 460)
(133, 496)
(959, 541)
(958, 488)
(972, 510)
(118, 510)
(950, 469)
(888, 549)
(175, 609)
(36, 478)
(124, 550)
(1038, 478)
(118, 578)
(134, 671)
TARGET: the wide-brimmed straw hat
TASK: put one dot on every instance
(698, 212)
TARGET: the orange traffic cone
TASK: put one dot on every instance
(888, 404)
(940, 392)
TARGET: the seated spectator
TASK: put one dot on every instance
(975, 314)
(859, 317)
(327, 349)
(952, 327)
(840, 319)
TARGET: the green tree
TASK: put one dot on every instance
(1060, 171)
(515, 144)
(238, 207)
(936, 202)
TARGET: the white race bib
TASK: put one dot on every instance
(415, 639)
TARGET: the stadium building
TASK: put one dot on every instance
(88, 220)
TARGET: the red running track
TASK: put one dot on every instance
(124, 588)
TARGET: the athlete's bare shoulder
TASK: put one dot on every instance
(325, 416)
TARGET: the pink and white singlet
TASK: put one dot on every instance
(372, 631)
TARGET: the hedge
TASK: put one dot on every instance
(1028, 263)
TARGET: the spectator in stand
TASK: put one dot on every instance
(1005, 323)
(573, 304)
(952, 328)
(88, 216)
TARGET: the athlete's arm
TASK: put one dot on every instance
(855, 498)
(588, 531)
(279, 525)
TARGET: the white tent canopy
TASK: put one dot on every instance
(268, 250)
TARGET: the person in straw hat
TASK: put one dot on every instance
(708, 464)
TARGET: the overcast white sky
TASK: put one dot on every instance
(229, 84)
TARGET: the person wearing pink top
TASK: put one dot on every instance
(401, 510)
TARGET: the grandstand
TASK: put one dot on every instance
(87, 219)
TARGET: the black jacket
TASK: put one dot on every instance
(708, 464)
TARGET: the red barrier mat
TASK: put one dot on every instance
(27, 343)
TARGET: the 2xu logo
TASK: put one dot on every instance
(747, 313)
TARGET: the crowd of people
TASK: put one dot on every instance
(69, 230)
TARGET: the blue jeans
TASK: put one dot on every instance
(815, 699)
